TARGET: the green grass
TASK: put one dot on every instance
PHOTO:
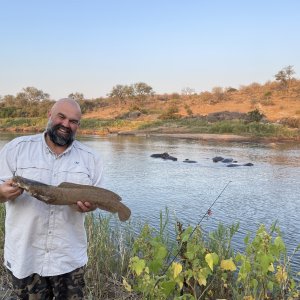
(195, 125)
(21, 123)
(100, 123)
(192, 125)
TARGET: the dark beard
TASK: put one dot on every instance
(56, 138)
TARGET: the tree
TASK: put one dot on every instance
(187, 91)
(285, 76)
(218, 94)
(138, 90)
(142, 90)
(9, 100)
(121, 93)
(76, 96)
(32, 94)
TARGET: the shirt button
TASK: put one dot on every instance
(49, 232)
(51, 213)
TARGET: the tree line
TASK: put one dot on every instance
(32, 102)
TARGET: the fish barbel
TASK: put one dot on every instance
(68, 193)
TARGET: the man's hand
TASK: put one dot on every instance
(8, 191)
(84, 206)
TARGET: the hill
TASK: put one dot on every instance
(278, 105)
(248, 110)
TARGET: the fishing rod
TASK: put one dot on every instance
(206, 213)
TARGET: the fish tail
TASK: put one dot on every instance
(124, 213)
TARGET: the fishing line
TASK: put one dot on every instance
(206, 213)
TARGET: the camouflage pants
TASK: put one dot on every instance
(67, 286)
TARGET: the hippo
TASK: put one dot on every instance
(223, 160)
(233, 165)
(164, 155)
(227, 160)
(217, 158)
(189, 161)
(239, 165)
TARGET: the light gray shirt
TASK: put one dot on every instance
(46, 239)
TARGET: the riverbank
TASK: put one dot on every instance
(209, 137)
(167, 133)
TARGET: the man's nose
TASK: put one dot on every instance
(66, 123)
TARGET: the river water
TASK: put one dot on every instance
(267, 192)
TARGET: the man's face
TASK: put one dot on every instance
(59, 134)
(63, 123)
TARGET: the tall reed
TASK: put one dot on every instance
(109, 250)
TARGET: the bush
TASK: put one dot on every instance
(291, 122)
(255, 116)
(207, 268)
(171, 113)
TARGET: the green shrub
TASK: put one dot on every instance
(255, 116)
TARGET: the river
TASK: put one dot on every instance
(267, 192)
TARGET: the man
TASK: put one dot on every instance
(45, 245)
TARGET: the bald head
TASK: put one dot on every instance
(64, 120)
(68, 104)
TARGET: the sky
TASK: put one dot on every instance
(89, 46)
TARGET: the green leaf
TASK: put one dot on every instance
(265, 261)
(270, 285)
(186, 234)
(211, 259)
(254, 283)
(161, 252)
(246, 239)
(137, 265)
(201, 279)
(278, 242)
(155, 265)
(168, 287)
(190, 255)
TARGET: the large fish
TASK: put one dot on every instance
(69, 193)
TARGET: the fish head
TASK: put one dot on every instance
(25, 183)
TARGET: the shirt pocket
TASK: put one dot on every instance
(35, 170)
(75, 174)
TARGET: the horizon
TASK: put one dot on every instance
(68, 47)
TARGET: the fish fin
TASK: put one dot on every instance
(90, 188)
(71, 185)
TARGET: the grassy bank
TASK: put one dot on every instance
(255, 129)
(186, 125)
(130, 263)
